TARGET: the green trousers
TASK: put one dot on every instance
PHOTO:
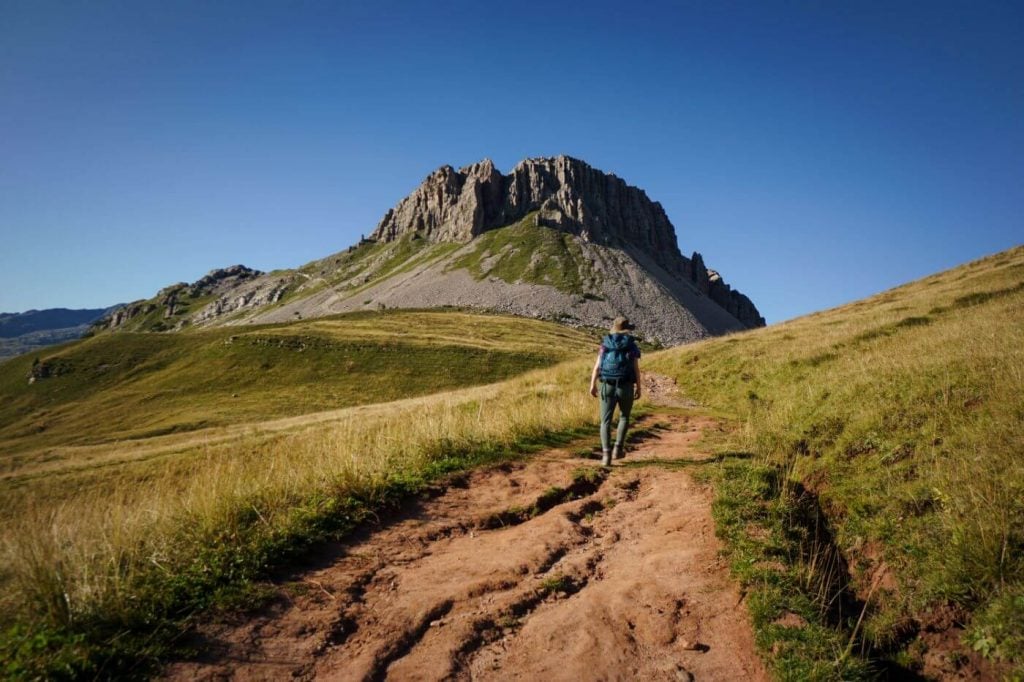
(611, 395)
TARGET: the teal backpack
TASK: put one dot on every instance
(617, 363)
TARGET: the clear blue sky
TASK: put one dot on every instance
(814, 152)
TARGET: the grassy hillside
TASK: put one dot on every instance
(895, 426)
(368, 263)
(102, 581)
(128, 386)
(875, 495)
(150, 475)
(350, 271)
(520, 252)
(528, 252)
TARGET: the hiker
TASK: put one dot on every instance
(618, 364)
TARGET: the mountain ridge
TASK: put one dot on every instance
(35, 329)
(554, 239)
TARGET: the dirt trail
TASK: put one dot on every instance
(500, 576)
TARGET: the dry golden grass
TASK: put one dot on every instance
(77, 555)
(107, 544)
(119, 386)
(904, 415)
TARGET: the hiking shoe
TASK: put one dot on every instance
(618, 452)
(606, 459)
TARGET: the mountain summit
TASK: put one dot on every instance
(554, 239)
(568, 195)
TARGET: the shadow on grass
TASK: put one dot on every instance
(763, 517)
(528, 445)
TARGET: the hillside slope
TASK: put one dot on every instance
(899, 419)
(554, 239)
(133, 386)
(528, 270)
(893, 425)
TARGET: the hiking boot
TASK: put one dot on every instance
(606, 459)
(618, 451)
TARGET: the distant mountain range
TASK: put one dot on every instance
(27, 331)
(554, 239)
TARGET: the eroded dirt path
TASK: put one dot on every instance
(623, 582)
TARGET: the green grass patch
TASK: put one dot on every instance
(775, 548)
(528, 252)
(558, 584)
(998, 630)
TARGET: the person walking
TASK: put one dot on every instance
(618, 368)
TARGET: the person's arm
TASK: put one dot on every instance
(636, 373)
(593, 376)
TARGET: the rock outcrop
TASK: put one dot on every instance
(569, 195)
(122, 315)
(252, 294)
(175, 299)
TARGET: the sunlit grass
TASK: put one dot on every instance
(153, 475)
(904, 415)
(134, 385)
(152, 547)
(901, 415)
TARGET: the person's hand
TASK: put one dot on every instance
(593, 390)
(636, 392)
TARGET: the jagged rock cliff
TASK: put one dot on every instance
(569, 195)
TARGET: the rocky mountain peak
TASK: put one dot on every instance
(568, 195)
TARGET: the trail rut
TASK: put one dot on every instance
(524, 571)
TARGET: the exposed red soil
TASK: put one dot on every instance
(945, 657)
(623, 583)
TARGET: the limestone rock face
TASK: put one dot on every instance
(250, 294)
(124, 314)
(222, 279)
(569, 195)
(597, 206)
